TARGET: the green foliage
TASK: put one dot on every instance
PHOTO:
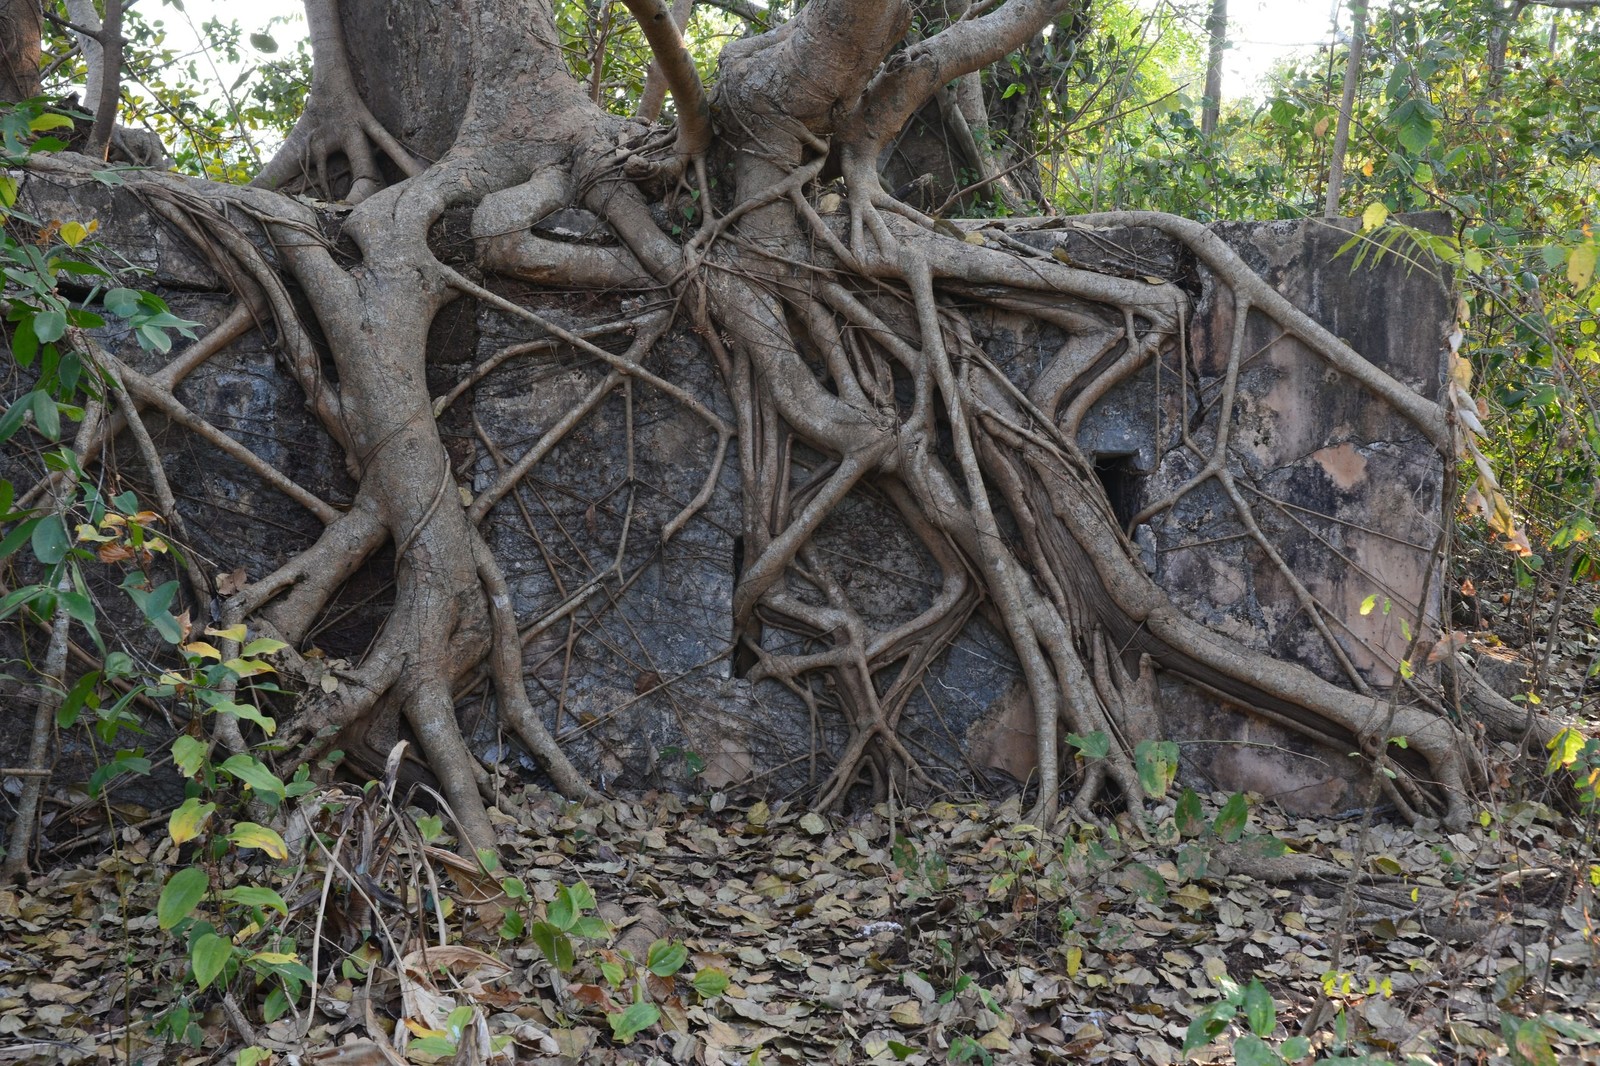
(571, 940)
(216, 128)
(1507, 150)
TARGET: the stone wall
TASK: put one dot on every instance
(640, 684)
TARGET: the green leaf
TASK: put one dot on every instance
(1413, 124)
(253, 772)
(666, 958)
(251, 835)
(263, 42)
(1564, 749)
(17, 536)
(257, 896)
(50, 541)
(1157, 763)
(582, 896)
(514, 888)
(1207, 1024)
(188, 754)
(626, 1024)
(67, 713)
(1580, 265)
(49, 326)
(1296, 1048)
(1530, 1041)
(1259, 1010)
(180, 894)
(1189, 817)
(1094, 746)
(252, 1055)
(1569, 1028)
(710, 982)
(47, 415)
(561, 911)
(12, 421)
(1230, 821)
(189, 820)
(1250, 1050)
(124, 303)
(591, 928)
(512, 926)
(248, 713)
(208, 956)
(555, 944)
(262, 646)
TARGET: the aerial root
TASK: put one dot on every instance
(335, 121)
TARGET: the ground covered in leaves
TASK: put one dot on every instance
(767, 934)
(719, 930)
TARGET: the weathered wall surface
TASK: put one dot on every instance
(639, 681)
(1345, 490)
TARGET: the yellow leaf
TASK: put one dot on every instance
(1580, 265)
(88, 532)
(1074, 960)
(251, 835)
(1368, 604)
(145, 518)
(189, 820)
(235, 633)
(74, 233)
(1366, 168)
(274, 958)
(200, 647)
(1374, 216)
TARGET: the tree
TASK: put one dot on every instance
(1217, 30)
(813, 298)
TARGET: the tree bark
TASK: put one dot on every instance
(1217, 31)
(1347, 104)
(19, 50)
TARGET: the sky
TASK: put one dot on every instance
(1261, 31)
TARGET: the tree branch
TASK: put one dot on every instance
(105, 108)
(677, 67)
(971, 44)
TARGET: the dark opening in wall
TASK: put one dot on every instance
(1121, 480)
(744, 660)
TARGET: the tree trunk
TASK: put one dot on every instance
(1347, 104)
(19, 50)
(1217, 31)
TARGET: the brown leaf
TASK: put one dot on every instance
(229, 583)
